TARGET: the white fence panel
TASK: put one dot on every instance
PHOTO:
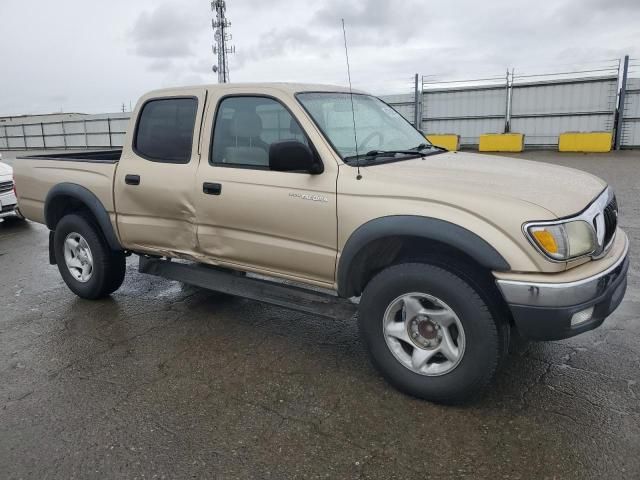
(465, 111)
(52, 128)
(117, 139)
(16, 143)
(98, 140)
(97, 126)
(119, 125)
(14, 131)
(464, 103)
(76, 141)
(55, 141)
(631, 119)
(403, 103)
(74, 127)
(33, 129)
(545, 109)
(65, 131)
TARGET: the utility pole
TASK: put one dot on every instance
(221, 48)
(623, 91)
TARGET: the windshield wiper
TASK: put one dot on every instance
(373, 154)
(424, 146)
(389, 153)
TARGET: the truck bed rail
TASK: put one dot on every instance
(102, 156)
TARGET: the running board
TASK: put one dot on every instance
(280, 294)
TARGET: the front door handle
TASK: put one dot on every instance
(132, 179)
(212, 188)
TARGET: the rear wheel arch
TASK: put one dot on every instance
(67, 198)
(389, 240)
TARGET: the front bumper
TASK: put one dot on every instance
(544, 311)
(8, 205)
(9, 211)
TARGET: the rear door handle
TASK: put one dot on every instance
(132, 179)
(212, 188)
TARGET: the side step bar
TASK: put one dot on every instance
(280, 294)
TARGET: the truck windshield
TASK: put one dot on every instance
(380, 130)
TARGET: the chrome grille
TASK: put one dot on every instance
(6, 186)
(610, 215)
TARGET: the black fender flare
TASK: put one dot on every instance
(415, 226)
(87, 198)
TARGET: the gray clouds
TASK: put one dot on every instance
(373, 21)
(101, 54)
(165, 32)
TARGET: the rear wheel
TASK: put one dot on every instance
(88, 266)
(429, 332)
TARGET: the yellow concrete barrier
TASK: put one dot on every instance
(501, 142)
(449, 141)
(585, 142)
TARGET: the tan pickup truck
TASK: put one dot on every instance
(339, 205)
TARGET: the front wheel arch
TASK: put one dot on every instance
(383, 239)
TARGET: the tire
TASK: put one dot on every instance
(451, 309)
(107, 266)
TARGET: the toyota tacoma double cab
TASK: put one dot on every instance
(328, 201)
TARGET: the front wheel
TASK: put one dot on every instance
(429, 332)
(88, 266)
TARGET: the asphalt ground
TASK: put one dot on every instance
(163, 380)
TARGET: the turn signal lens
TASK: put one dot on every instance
(546, 241)
(551, 239)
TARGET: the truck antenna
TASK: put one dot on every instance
(353, 112)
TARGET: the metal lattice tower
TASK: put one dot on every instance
(221, 48)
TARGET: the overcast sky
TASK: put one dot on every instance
(91, 56)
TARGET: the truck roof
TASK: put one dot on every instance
(284, 87)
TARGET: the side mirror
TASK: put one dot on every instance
(293, 156)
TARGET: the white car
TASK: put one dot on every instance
(8, 201)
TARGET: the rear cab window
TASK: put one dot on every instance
(164, 132)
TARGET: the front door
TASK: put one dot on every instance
(155, 179)
(253, 218)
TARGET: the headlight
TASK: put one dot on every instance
(563, 241)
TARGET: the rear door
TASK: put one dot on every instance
(154, 183)
(252, 218)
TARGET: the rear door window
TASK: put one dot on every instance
(165, 130)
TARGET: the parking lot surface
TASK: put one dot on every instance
(163, 380)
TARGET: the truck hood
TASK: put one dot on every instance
(5, 169)
(560, 190)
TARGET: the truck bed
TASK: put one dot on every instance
(103, 156)
(36, 175)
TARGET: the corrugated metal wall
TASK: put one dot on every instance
(83, 131)
(631, 118)
(540, 106)
(466, 111)
(404, 103)
(543, 110)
